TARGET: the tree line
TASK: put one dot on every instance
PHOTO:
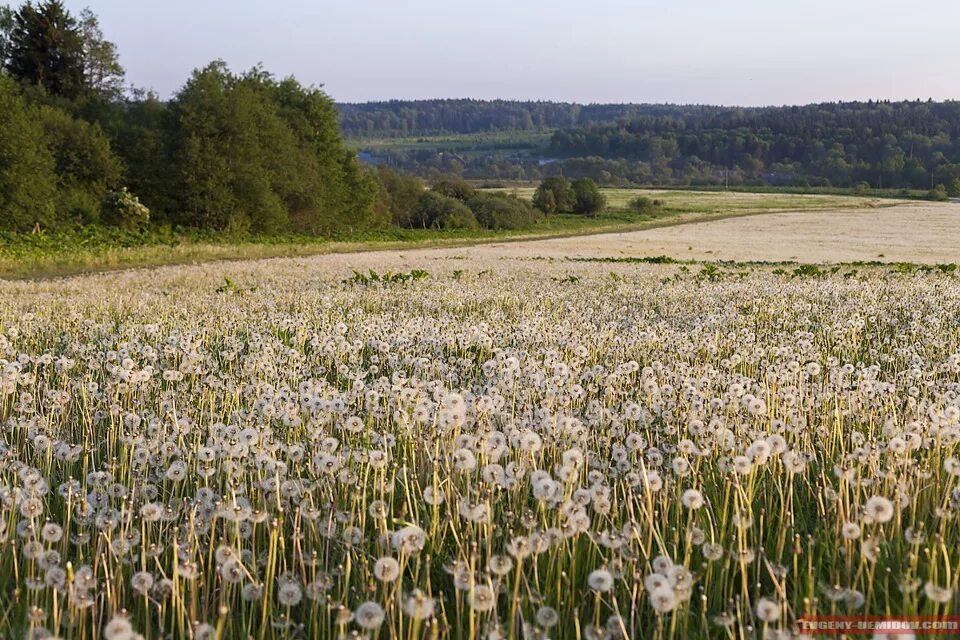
(884, 144)
(909, 144)
(231, 152)
(464, 116)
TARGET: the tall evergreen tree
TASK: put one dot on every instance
(46, 49)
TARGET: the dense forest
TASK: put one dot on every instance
(433, 117)
(879, 144)
(239, 153)
(236, 154)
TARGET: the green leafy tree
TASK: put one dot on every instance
(644, 205)
(357, 197)
(255, 154)
(86, 166)
(103, 74)
(224, 130)
(503, 211)
(397, 195)
(455, 188)
(333, 191)
(555, 195)
(27, 178)
(142, 133)
(938, 193)
(544, 200)
(46, 49)
(589, 200)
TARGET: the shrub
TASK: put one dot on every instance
(502, 211)
(953, 188)
(123, 209)
(436, 211)
(589, 199)
(643, 204)
(938, 194)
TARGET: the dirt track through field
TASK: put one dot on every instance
(913, 232)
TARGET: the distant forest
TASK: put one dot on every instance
(912, 145)
(398, 118)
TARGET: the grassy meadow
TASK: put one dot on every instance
(96, 249)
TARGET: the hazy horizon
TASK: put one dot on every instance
(742, 53)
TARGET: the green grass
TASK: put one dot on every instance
(87, 249)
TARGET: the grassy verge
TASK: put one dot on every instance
(90, 249)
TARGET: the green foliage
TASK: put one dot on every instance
(710, 272)
(437, 211)
(257, 155)
(229, 286)
(123, 209)
(907, 145)
(397, 196)
(645, 205)
(952, 188)
(807, 271)
(6, 27)
(102, 72)
(27, 170)
(388, 278)
(502, 211)
(555, 195)
(46, 49)
(589, 200)
(938, 194)
(454, 188)
(141, 134)
(545, 200)
(224, 130)
(86, 166)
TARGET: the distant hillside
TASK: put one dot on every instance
(910, 144)
(438, 117)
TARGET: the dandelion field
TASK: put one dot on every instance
(496, 449)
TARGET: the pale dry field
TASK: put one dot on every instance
(908, 232)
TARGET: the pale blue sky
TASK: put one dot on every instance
(747, 52)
